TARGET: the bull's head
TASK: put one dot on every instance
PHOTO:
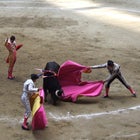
(59, 93)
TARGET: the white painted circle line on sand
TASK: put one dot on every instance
(70, 117)
(90, 116)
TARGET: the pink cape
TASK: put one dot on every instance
(70, 79)
(39, 120)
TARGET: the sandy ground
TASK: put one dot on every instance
(88, 32)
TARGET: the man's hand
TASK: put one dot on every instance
(87, 70)
(19, 46)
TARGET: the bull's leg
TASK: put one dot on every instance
(53, 98)
(45, 99)
(45, 89)
(46, 94)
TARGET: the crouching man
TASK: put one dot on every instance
(114, 70)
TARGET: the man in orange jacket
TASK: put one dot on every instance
(11, 46)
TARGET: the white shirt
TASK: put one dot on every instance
(115, 68)
(29, 88)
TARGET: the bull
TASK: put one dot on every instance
(51, 83)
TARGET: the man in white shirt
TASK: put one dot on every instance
(28, 90)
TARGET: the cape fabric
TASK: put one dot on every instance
(69, 76)
(39, 119)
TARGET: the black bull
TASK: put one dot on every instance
(50, 83)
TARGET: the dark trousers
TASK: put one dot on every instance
(118, 76)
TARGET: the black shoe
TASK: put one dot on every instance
(105, 96)
(25, 128)
(134, 95)
(11, 78)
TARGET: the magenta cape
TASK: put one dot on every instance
(70, 79)
(39, 120)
